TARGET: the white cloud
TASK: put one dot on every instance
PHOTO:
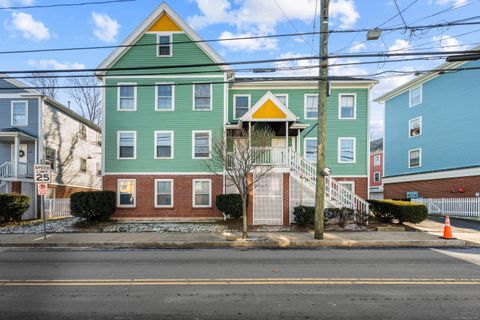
(357, 47)
(29, 27)
(10, 3)
(400, 45)
(106, 28)
(43, 64)
(262, 17)
(247, 44)
(456, 3)
(448, 43)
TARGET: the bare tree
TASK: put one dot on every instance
(86, 95)
(241, 160)
(47, 83)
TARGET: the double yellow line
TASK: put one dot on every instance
(240, 281)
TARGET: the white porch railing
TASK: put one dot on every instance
(25, 170)
(57, 208)
(468, 208)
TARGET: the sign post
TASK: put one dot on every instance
(42, 178)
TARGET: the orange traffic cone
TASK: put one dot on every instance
(447, 229)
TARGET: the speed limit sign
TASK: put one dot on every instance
(42, 173)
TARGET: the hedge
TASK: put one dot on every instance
(93, 206)
(13, 206)
(404, 211)
(230, 204)
(304, 216)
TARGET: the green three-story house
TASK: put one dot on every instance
(159, 125)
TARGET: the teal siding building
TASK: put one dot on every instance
(159, 124)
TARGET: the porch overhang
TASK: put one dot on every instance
(269, 109)
(15, 132)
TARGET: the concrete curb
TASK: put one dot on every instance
(246, 244)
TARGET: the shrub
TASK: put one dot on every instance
(404, 211)
(304, 216)
(93, 206)
(13, 206)
(230, 204)
(343, 215)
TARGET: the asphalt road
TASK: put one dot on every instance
(240, 284)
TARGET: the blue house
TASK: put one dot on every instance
(37, 129)
(432, 134)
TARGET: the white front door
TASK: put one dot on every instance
(22, 153)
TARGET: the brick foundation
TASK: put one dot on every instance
(361, 185)
(438, 188)
(182, 197)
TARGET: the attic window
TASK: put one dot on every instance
(164, 45)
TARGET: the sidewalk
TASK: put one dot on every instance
(466, 230)
(173, 240)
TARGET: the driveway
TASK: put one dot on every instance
(467, 230)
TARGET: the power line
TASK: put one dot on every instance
(400, 13)
(414, 28)
(271, 79)
(64, 5)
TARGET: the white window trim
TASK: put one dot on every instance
(171, 193)
(282, 95)
(156, 96)
(134, 194)
(249, 96)
(419, 158)
(410, 105)
(193, 97)
(209, 192)
(126, 84)
(421, 127)
(26, 112)
(134, 145)
(305, 105)
(172, 141)
(379, 160)
(379, 177)
(305, 147)
(354, 106)
(209, 143)
(354, 149)
(159, 34)
(344, 182)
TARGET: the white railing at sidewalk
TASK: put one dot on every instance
(57, 208)
(468, 208)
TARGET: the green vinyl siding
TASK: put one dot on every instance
(336, 128)
(146, 120)
(145, 55)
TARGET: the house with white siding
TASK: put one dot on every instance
(37, 129)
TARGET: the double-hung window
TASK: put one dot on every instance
(346, 150)
(376, 177)
(415, 127)
(165, 97)
(19, 111)
(311, 149)
(164, 193)
(163, 144)
(127, 141)
(50, 158)
(415, 158)
(311, 106)
(126, 193)
(83, 165)
(376, 160)
(202, 193)
(283, 98)
(83, 132)
(415, 96)
(201, 144)
(127, 97)
(241, 105)
(202, 97)
(347, 106)
(164, 42)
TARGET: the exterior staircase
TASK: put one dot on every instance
(336, 195)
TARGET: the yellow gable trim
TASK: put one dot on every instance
(269, 110)
(165, 23)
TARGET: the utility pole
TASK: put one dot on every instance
(322, 120)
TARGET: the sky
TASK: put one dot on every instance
(109, 24)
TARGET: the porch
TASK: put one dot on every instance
(18, 154)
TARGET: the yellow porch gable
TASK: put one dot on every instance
(164, 24)
(269, 110)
